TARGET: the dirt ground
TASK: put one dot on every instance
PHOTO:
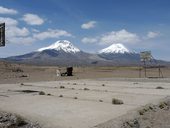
(84, 100)
(79, 103)
(15, 73)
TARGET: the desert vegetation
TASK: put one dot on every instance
(117, 101)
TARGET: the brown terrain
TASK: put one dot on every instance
(102, 97)
(18, 73)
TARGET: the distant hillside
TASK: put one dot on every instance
(64, 53)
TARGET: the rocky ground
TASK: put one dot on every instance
(8, 120)
(149, 116)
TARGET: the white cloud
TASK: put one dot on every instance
(12, 29)
(121, 36)
(151, 35)
(17, 32)
(35, 30)
(50, 33)
(89, 40)
(88, 25)
(14, 34)
(32, 19)
(22, 40)
(22, 35)
(4, 10)
(8, 21)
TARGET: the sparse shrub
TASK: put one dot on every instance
(24, 75)
(49, 94)
(100, 100)
(148, 127)
(162, 105)
(135, 83)
(150, 107)
(74, 83)
(73, 88)
(159, 87)
(17, 70)
(131, 124)
(9, 120)
(141, 112)
(103, 84)
(117, 101)
(62, 87)
(60, 95)
(75, 98)
(20, 121)
(86, 89)
(41, 93)
(22, 84)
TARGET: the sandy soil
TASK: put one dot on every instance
(75, 106)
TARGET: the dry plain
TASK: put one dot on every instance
(81, 101)
(79, 107)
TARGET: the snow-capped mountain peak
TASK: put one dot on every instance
(115, 48)
(64, 45)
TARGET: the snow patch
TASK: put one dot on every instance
(115, 48)
(64, 45)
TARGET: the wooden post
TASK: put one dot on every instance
(159, 71)
(145, 67)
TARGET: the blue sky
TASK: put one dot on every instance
(89, 24)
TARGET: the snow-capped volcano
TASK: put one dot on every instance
(64, 45)
(63, 53)
(114, 48)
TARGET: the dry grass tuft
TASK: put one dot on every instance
(117, 101)
(103, 84)
(86, 89)
(159, 87)
(75, 98)
(100, 100)
(41, 93)
(60, 95)
(62, 87)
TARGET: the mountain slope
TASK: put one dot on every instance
(118, 53)
(64, 53)
(60, 53)
(114, 48)
(64, 45)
